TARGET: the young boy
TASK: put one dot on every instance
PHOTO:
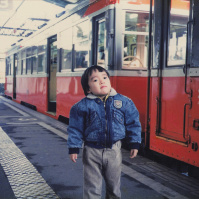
(101, 120)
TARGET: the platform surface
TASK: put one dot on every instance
(34, 163)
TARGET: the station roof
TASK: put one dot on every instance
(21, 18)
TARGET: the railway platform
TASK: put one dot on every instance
(34, 163)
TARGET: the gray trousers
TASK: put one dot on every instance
(102, 163)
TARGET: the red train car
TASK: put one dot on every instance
(150, 49)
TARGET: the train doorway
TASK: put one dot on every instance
(15, 62)
(52, 71)
(174, 98)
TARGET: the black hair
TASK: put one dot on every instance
(87, 73)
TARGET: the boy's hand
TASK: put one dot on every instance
(73, 157)
(133, 153)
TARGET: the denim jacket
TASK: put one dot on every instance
(100, 124)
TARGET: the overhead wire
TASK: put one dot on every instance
(13, 14)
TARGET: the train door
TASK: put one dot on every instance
(172, 84)
(15, 61)
(52, 71)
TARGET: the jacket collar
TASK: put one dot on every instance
(112, 93)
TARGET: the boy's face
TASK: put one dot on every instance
(99, 83)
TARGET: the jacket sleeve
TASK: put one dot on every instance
(133, 125)
(75, 130)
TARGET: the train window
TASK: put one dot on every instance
(28, 60)
(11, 66)
(28, 52)
(81, 42)
(42, 47)
(23, 62)
(65, 44)
(16, 59)
(101, 43)
(34, 64)
(34, 50)
(19, 64)
(135, 43)
(7, 65)
(41, 62)
(9, 69)
(41, 56)
(179, 16)
(53, 52)
(34, 59)
(28, 65)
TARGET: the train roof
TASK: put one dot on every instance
(20, 19)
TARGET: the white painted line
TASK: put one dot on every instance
(50, 128)
(163, 190)
(10, 116)
(16, 109)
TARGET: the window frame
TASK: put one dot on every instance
(61, 50)
(168, 20)
(34, 55)
(95, 27)
(74, 48)
(124, 32)
(42, 52)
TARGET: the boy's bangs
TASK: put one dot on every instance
(100, 69)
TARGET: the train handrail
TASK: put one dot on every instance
(134, 58)
(186, 58)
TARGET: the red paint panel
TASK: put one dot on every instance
(194, 112)
(174, 150)
(33, 91)
(172, 107)
(179, 4)
(93, 7)
(153, 105)
(136, 89)
(9, 86)
(194, 116)
(140, 2)
(174, 98)
(69, 91)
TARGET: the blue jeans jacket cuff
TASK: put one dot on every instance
(73, 150)
(135, 146)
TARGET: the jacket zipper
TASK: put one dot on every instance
(106, 123)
